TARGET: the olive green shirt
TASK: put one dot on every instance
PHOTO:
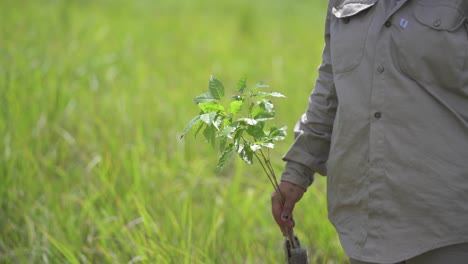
(387, 123)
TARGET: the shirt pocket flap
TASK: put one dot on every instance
(439, 17)
(347, 8)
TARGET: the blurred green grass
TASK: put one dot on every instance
(94, 96)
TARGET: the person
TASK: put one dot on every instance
(387, 123)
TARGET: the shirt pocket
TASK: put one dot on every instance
(432, 45)
(348, 33)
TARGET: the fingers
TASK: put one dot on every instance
(283, 212)
(286, 214)
(277, 210)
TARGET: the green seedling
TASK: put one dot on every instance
(242, 125)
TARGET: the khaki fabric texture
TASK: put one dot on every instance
(453, 254)
(387, 123)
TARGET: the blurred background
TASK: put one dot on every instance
(94, 96)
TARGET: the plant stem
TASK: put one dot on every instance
(267, 172)
(270, 172)
(270, 166)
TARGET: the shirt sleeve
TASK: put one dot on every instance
(309, 152)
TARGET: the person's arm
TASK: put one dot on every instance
(309, 152)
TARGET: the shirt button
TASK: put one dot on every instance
(377, 115)
(388, 24)
(346, 20)
(437, 23)
(380, 69)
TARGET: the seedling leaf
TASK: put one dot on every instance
(203, 98)
(242, 84)
(216, 88)
(199, 125)
(235, 106)
(227, 154)
(211, 107)
(267, 145)
(261, 85)
(255, 147)
(277, 134)
(210, 135)
(227, 131)
(246, 153)
(208, 118)
(264, 110)
(249, 121)
(256, 131)
(190, 125)
(272, 94)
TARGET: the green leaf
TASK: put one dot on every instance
(235, 107)
(211, 107)
(227, 121)
(246, 153)
(218, 120)
(268, 106)
(190, 125)
(278, 95)
(200, 125)
(261, 85)
(208, 118)
(227, 131)
(203, 98)
(251, 107)
(227, 154)
(267, 145)
(222, 143)
(216, 88)
(238, 142)
(277, 134)
(255, 147)
(264, 110)
(210, 135)
(272, 94)
(249, 121)
(263, 117)
(256, 131)
(242, 84)
(212, 119)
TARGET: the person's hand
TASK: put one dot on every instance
(282, 214)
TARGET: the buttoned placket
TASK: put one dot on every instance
(379, 37)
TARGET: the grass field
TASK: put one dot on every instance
(94, 96)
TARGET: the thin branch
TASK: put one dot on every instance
(270, 167)
(266, 171)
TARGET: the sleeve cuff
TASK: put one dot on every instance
(298, 174)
